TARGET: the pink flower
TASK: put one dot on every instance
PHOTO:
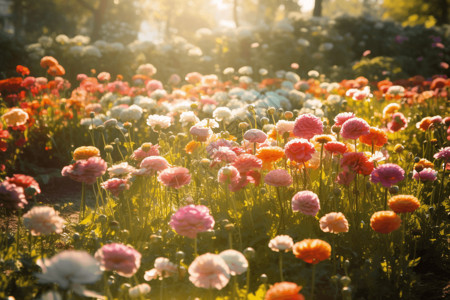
(25, 182)
(354, 128)
(299, 150)
(278, 178)
(43, 220)
(398, 122)
(193, 78)
(443, 154)
(345, 178)
(281, 243)
(255, 136)
(200, 132)
(116, 185)
(12, 196)
(247, 162)
(192, 219)
(334, 222)
(306, 202)
(387, 175)
(215, 145)
(85, 171)
(153, 85)
(153, 164)
(426, 174)
(125, 260)
(104, 76)
(341, 118)
(146, 150)
(175, 177)
(228, 174)
(163, 269)
(209, 271)
(307, 125)
(224, 154)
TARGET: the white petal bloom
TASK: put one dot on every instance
(235, 260)
(163, 268)
(69, 267)
(120, 169)
(139, 290)
(158, 120)
(222, 114)
(188, 117)
(43, 220)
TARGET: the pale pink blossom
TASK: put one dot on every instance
(306, 202)
(228, 174)
(236, 261)
(175, 177)
(191, 220)
(334, 222)
(12, 197)
(85, 171)
(283, 126)
(209, 271)
(278, 178)
(281, 243)
(163, 269)
(152, 164)
(125, 260)
(255, 136)
(146, 150)
(116, 185)
(43, 220)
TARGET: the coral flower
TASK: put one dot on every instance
(312, 251)
(284, 291)
(278, 178)
(209, 271)
(255, 136)
(354, 128)
(306, 202)
(387, 175)
(153, 164)
(85, 152)
(247, 162)
(376, 137)
(341, 118)
(85, 171)
(43, 220)
(356, 162)
(281, 243)
(334, 222)
(191, 220)
(403, 203)
(308, 125)
(270, 155)
(25, 182)
(175, 177)
(335, 147)
(125, 260)
(299, 150)
(385, 221)
(48, 61)
(146, 150)
(424, 124)
(425, 175)
(56, 70)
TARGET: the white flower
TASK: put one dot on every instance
(158, 120)
(132, 113)
(43, 220)
(158, 94)
(69, 268)
(210, 123)
(396, 90)
(80, 40)
(139, 290)
(235, 260)
(246, 70)
(228, 71)
(292, 77)
(222, 114)
(91, 51)
(145, 102)
(62, 39)
(188, 117)
(281, 243)
(303, 42)
(195, 51)
(263, 72)
(283, 126)
(245, 79)
(89, 122)
(313, 73)
(45, 41)
(120, 169)
(378, 156)
(163, 269)
(296, 96)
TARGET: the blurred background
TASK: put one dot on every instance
(339, 38)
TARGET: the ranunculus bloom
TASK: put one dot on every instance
(356, 162)
(12, 196)
(192, 219)
(385, 221)
(104, 76)
(209, 271)
(334, 222)
(201, 133)
(163, 269)
(306, 202)
(69, 268)
(43, 220)
(397, 123)
(424, 124)
(25, 182)
(376, 137)
(175, 177)
(146, 150)
(345, 177)
(281, 243)
(125, 260)
(15, 117)
(270, 155)
(299, 150)
(342, 117)
(255, 136)
(387, 175)
(284, 291)
(312, 251)
(85, 152)
(48, 61)
(403, 203)
(158, 122)
(283, 126)
(223, 154)
(424, 175)
(228, 174)
(85, 171)
(335, 147)
(390, 109)
(236, 261)
(354, 128)
(247, 162)
(139, 291)
(278, 178)
(443, 154)
(153, 164)
(307, 125)
(116, 185)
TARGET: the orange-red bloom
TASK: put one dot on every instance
(56, 70)
(85, 152)
(404, 203)
(284, 291)
(270, 155)
(385, 221)
(191, 146)
(48, 61)
(312, 251)
(376, 137)
(424, 124)
(423, 164)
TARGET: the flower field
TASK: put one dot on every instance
(238, 185)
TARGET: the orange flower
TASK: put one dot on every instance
(85, 152)
(323, 138)
(56, 70)
(48, 61)
(423, 164)
(390, 109)
(192, 146)
(424, 124)
(385, 221)
(312, 251)
(376, 137)
(269, 155)
(284, 291)
(404, 203)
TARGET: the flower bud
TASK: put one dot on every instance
(345, 280)
(179, 255)
(399, 148)
(264, 120)
(127, 125)
(336, 129)
(229, 227)
(271, 110)
(288, 115)
(263, 278)
(249, 253)
(394, 190)
(91, 115)
(243, 125)
(109, 149)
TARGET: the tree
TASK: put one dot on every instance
(413, 12)
(317, 12)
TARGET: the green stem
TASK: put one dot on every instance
(321, 171)
(83, 201)
(313, 280)
(280, 202)
(195, 247)
(385, 198)
(280, 265)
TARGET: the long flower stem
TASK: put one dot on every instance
(280, 265)
(313, 280)
(83, 201)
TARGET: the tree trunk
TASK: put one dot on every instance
(317, 12)
(235, 13)
(98, 16)
(18, 13)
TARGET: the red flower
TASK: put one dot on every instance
(24, 71)
(356, 162)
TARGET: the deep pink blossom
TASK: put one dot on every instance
(299, 150)
(426, 174)
(192, 219)
(342, 117)
(308, 125)
(125, 260)
(387, 175)
(354, 128)
(116, 185)
(12, 196)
